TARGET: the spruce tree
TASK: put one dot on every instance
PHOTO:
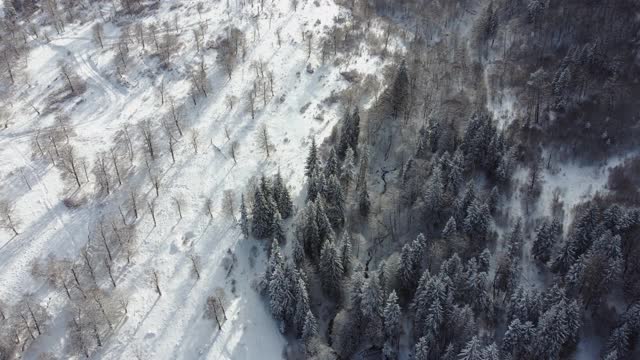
(279, 292)
(302, 304)
(364, 204)
(345, 253)
(276, 228)
(282, 197)
(472, 350)
(263, 213)
(335, 202)
(391, 325)
(310, 327)
(421, 351)
(331, 168)
(313, 162)
(399, 91)
(450, 228)
(348, 171)
(331, 269)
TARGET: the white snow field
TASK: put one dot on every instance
(171, 326)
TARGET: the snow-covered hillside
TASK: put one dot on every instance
(125, 93)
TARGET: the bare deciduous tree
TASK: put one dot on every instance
(146, 130)
(156, 282)
(263, 139)
(98, 34)
(195, 262)
(194, 140)
(71, 164)
(7, 218)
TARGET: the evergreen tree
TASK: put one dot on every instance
(472, 350)
(410, 263)
(282, 197)
(517, 339)
(297, 252)
(477, 220)
(543, 243)
(324, 225)
(484, 260)
(331, 269)
(279, 292)
(355, 133)
(348, 172)
(301, 305)
(421, 351)
(345, 253)
(276, 228)
(372, 309)
(331, 168)
(456, 173)
(490, 352)
(450, 228)
(310, 327)
(313, 162)
(399, 94)
(275, 258)
(310, 232)
(391, 325)
(335, 201)
(244, 218)
(364, 204)
(433, 195)
(263, 213)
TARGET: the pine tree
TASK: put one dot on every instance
(244, 218)
(490, 352)
(477, 220)
(471, 351)
(275, 258)
(345, 253)
(399, 91)
(456, 173)
(313, 162)
(282, 197)
(450, 228)
(331, 167)
(391, 325)
(276, 228)
(355, 132)
(543, 243)
(302, 305)
(331, 269)
(311, 233)
(348, 172)
(263, 213)
(310, 327)
(434, 192)
(421, 351)
(324, 225)
(297, 252)
(372, 308)
(364, 204)
(279, 292)
(335, 201)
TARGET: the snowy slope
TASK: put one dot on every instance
(172, 326)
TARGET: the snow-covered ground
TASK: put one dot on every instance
(172, 326)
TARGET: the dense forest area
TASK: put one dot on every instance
(424, 232)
